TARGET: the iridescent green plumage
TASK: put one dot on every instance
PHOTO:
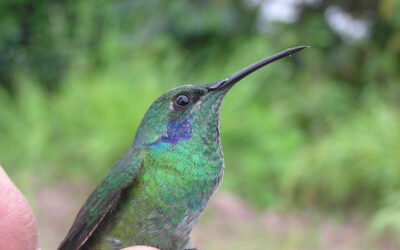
(156, 192)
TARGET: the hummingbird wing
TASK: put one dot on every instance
(103, 199)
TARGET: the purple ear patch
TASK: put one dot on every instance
(178, 130)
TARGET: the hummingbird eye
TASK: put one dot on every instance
(182, 100)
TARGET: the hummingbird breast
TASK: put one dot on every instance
(168, 197)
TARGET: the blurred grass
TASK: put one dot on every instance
(291, 138)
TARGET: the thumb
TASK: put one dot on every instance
(17, 224)
(140, 248)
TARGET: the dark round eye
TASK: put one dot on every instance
(182, 100)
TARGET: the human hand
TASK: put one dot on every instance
(17, 224)
(18, 228)
(140, 248)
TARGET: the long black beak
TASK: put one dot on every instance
(230, 81)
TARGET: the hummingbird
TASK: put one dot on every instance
(156, 192)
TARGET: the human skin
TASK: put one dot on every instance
(18, 228)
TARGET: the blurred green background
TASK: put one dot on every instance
(311, 143)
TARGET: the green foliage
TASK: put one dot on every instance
(355, 165)
(387, 219)
(44, 35)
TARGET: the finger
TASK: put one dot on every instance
(17, 224)
(140, 248)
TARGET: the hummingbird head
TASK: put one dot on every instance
(193, 110)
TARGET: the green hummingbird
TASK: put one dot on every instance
(157, 190)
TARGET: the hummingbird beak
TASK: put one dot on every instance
(231, 80)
